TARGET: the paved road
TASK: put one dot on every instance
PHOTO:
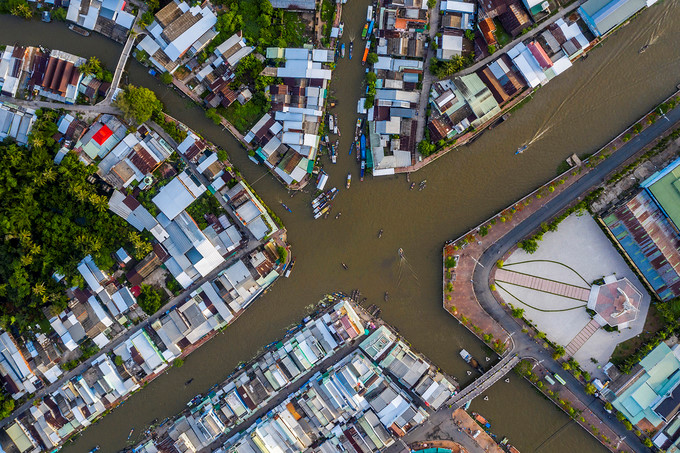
(99, 108)
(528, 35)
(524, 346)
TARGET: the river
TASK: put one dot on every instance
(575, 113)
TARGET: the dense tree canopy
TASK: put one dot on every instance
(50, 218)
(150, 299)
(138, 104)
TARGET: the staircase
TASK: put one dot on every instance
(581, 337)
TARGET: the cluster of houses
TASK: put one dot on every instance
(370, 397)
(648, 396)
(399, 33)
(179, 30)
(468, 102)
(286, 139)
(35, 72)
(133, 162)
(108, 17)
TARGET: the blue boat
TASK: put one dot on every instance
(350, 49)
(351, 148)
(286, 207)
(342, 50)
(363, 156)
(370, 28)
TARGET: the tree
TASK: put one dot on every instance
(166, 78)
(372, 58)
(222, 155)
(149, 299)
(214, 116)
(517, 312)
(647, 443)
(92, 67)
(59, 14)
(138, 104)
(118, 360)
(608, 406)
(529, 245)
(470, 35)
(559, 352)
(21, 9)
(282, 252)
(492, 49)
(140, 245)
(431, 3)
(426, 147)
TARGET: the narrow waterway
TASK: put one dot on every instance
(575, 113)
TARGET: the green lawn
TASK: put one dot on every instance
(243, 117)
(502, 36)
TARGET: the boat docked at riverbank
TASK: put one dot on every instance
(289, 268)
(471, 361)
(76, 29)
(342, 50)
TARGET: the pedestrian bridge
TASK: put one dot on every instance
(481, 384)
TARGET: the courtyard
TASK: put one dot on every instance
(553, 287)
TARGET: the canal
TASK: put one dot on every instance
(575, 113)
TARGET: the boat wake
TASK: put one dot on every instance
(405, 266)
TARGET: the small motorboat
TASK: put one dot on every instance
(337, 216)
(387, 296)
(349, 179)
(350, 49)
(412, 186)
(342, 50)
(286, 207)
(643, 48)
(363, 170)
(521, 149)
(380, 233)
(401, 253)
(189, 381)
(289, 268)
(422, 184)
(130, 435)
(94, 449)
(345, 266)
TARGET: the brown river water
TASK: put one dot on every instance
(575, 113)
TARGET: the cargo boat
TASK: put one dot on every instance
(79, 30)
(364, 32)
(322, 212)
(331, 123)
(471, 361)
(368, 46)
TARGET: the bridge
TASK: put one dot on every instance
(481, 384)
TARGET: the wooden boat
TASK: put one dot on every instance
(471, 361)
(349, 179)
(81, 31)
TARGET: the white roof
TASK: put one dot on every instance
(457, 7)
(173, 198)
(125, 19)
(180, 45)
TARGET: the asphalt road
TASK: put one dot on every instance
(524, 346)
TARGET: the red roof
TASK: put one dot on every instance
(540, 55)
(102, 135)
(136, 291)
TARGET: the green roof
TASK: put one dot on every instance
(666, 192)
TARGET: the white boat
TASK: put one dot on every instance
(369, 13)
(335, 124)
(331, 123)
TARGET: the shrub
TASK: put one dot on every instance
(492, 287)
(179, 362)
(499, 263)
(559, 352)
(529, 245)
(517, 312)
(590, 389)
(118, 360)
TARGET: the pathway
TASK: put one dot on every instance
(99, 108)
(581, 338)
(542, 284)
(427, 78)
